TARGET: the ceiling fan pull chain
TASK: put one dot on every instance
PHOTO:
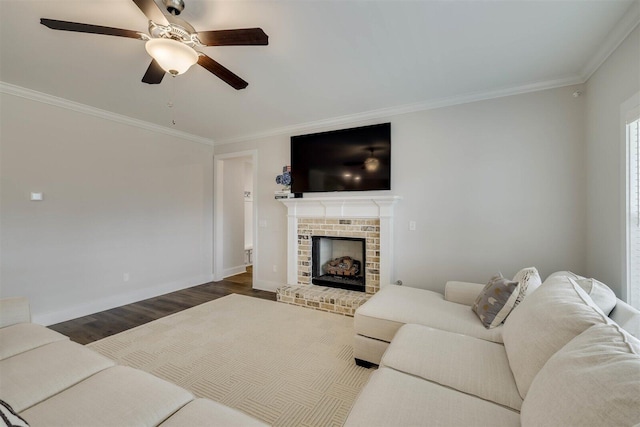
(171, 98)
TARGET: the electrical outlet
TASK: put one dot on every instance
(125, 277)
(412, 226)
(275, 268)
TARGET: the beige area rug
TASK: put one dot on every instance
(285, 365)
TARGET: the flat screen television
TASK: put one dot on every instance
(356, 159)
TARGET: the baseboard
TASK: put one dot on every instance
(264, 285)
(227, 272)
(107, 303)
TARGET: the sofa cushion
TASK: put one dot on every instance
(205, 412)
(529, 280)
(21, 337)
(394, 306)
(592, 381)
(543, 323)
(117, 396)
(392, 398)
(471, 365)
(600, 293)
(496, 300)
(368, 349)
(14, 310)
(33, 376)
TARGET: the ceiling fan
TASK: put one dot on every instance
(370, 163)
(171, 41)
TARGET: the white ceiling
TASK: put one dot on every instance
(325, 60)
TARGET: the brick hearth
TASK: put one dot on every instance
(340, 301)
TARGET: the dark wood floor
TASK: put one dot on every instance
(243, 278)
(84, 330)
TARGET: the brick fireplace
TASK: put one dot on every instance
(368, 229)
(358, 217)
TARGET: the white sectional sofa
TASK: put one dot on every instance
(50, 381)
(558, 360)
(377, 321)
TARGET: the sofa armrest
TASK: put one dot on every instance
(14, 310)
(462, 292)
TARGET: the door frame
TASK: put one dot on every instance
(218, 210)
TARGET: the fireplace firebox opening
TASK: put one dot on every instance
(338, 262)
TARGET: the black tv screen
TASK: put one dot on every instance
(357, 159)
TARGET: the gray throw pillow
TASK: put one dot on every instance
(496, 301)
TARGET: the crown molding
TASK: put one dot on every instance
(44, 98)
(620, 32)
(627, 24)
(405, 109)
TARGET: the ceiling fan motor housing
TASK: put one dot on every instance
(174, 7)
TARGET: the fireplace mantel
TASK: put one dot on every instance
(341, 207)
(346, 207)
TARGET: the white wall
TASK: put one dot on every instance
(493, 186)
(233, 216)
(117, 199)
(611, 85)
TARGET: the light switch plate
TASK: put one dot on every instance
(36, 197)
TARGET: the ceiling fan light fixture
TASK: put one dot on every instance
(371, 164)
(173, 56)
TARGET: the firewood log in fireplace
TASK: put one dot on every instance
(342, 266)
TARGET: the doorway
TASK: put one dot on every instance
(235, 216)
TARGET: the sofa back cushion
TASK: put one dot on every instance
(571, 274)
(592, 381)
(602, 295)
(543, 323)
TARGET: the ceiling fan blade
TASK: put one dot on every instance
(54, 24)
(220, 71)
(154, 73)
(240, 37)
(151, 11)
